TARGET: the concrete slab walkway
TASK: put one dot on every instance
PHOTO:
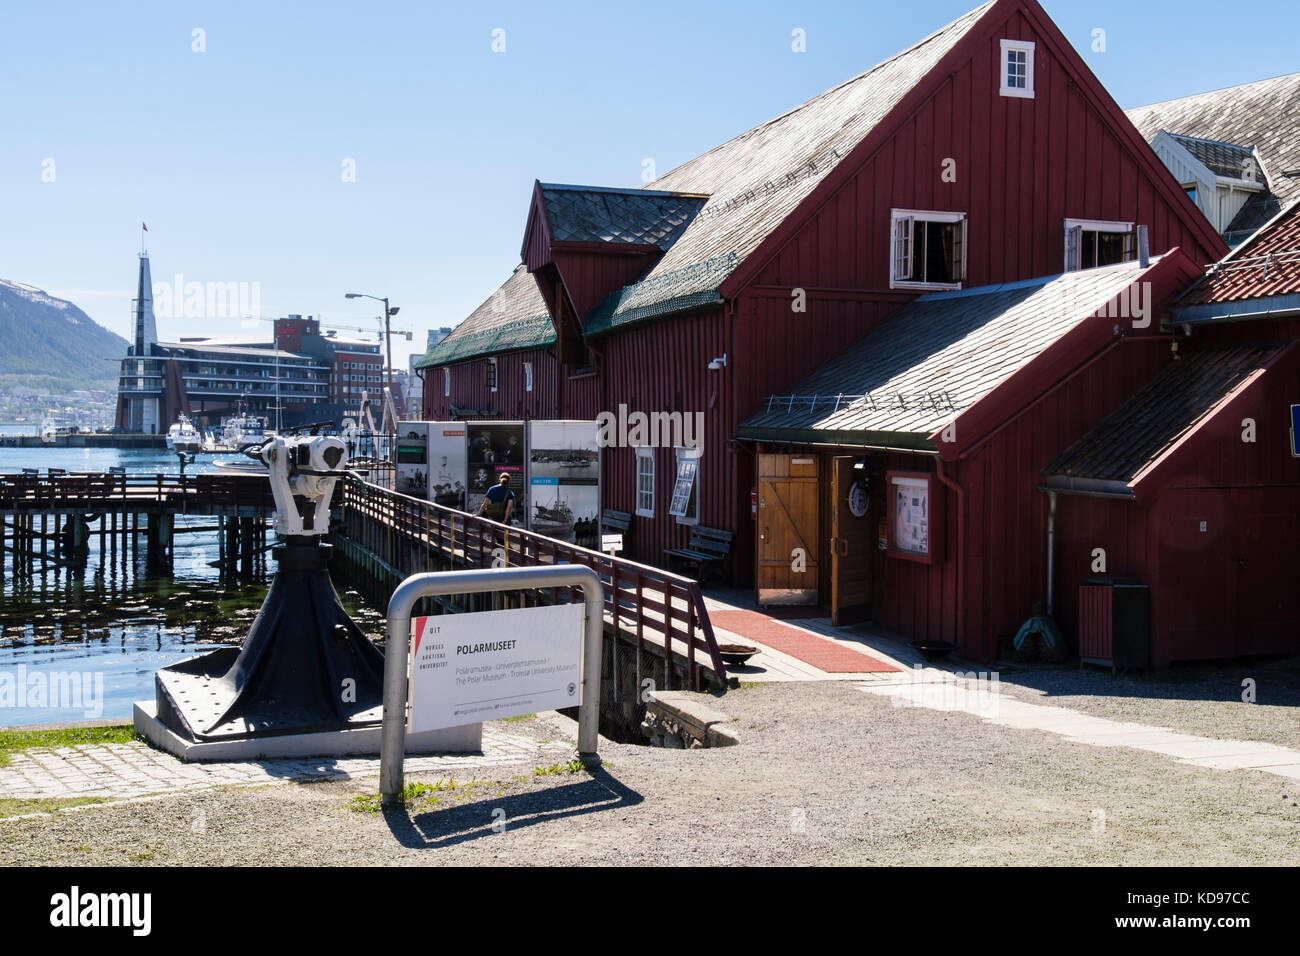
(937, 688)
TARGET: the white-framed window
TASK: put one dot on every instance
(1090, 243)
(446, 383)
(645, 482)
(528, 376)
(685, 503)
(1017, 68)
(928, 249)
(490, 375)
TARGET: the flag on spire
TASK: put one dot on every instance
(144, 227)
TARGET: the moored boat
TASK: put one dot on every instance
(183, 436)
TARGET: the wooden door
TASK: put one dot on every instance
(787, 549)
(851, 545)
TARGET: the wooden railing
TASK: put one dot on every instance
(120, 491)
(643, 602)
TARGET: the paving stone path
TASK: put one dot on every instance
(124, 771)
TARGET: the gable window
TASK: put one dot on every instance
(528, 376)
(1017, 69)
(446, 383)
(490, 375)
(929, 249)
(645, 482)
(1090, 243)
(685, 503)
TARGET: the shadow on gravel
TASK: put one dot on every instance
(485, 818)
(1277, 681)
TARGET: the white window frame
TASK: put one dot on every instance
(1004, 87)
(1074, 240)
(492, 364)
(902, 246)
(528, 376)
(693, 517)
(645, 500)
(446, 383)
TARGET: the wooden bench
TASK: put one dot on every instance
(707, 547)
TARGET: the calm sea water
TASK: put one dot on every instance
(84, 644)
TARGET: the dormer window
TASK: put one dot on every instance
(1017, 68)
(929, 249)
(1090, 243)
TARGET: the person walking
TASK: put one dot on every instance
(499, 502)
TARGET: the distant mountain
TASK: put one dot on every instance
(50, 343)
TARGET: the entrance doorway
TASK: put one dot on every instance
(851, 542)
(787, 552)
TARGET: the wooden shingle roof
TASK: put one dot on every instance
(936, 357)
(757, 179)
(1265, 115)
(1152, 421)
(513, 317)
(631, 216)
(753, 181)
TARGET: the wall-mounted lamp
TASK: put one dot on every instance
(718, 363)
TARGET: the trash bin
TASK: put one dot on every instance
(1114, 622)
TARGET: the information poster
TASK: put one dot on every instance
(912, 515)
(467, 668)
(413, 459)
(497, 448)
(447, 464)
(564, 481)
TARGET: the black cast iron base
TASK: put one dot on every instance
(305, 667)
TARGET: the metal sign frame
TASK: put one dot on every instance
(392, 752)
(1295, 428)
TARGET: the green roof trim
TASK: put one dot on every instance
(676, 291)
(536, 332)
(903, 441)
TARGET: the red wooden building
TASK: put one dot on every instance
(985, 155)
(1192, 485)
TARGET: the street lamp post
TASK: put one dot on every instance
(388, 334)
(388, 346)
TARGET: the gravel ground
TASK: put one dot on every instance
(824, 774)
(1204, 700)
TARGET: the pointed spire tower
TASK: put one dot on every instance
(146, 328)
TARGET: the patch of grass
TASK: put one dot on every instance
(573, 766)
(13, 806)
(518, 718)
(16, 741)
(414, 792)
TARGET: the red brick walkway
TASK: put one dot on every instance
(822, 653)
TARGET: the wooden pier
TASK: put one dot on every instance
(658, 634)
(48, 520)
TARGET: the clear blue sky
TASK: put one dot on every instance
(234, 156)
